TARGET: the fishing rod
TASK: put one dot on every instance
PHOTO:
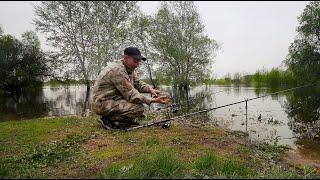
(206, 110)
(181, 104)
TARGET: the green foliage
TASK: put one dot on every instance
(273, 78)
(183, 51)
(23, 64)
(87, 34)
(160, 164)
(217, 81)
(30, 38)
(304, 56)
(1, 31)
(140, 33)
(238, 78)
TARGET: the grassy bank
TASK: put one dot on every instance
(76, 147)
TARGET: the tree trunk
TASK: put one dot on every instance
(150, 76)
(148, 65)
(86, 102)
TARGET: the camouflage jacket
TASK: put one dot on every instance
(118, 81)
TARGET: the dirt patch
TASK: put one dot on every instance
(300, 157)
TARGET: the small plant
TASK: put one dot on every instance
(274, 150)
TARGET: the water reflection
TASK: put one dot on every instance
(65, 100)
(186, 101)
(291, 114)
(284, 116)
(303, 109)
(48, 101)
(22, 105)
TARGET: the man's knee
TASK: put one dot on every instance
(139, 109)
(101, 107)
(134, 110)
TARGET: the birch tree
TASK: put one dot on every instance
(86, 34)
(111, 32)
(183, 49)
(141, 37)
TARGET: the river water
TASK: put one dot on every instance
(290, 118)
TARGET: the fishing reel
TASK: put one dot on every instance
(174, 108)
(166, 125)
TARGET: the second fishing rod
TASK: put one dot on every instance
(181, 103)
(206, 110)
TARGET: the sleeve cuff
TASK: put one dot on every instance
(147, 89)
(147, 100)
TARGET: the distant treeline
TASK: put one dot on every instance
(273, 78)
(55, 82)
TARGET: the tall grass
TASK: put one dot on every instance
(160, 164)
(217, 81)
(274, 78)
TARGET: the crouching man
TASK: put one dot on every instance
(116, 95)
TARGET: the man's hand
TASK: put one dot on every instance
(161, 99)
(154, 92)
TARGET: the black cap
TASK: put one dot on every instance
(134, 52)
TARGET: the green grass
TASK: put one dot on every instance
(40, 156)
(214, 165)
(160, 164)
(76, 147)
(152, 141)
(272, 149)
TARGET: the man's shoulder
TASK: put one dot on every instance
(115, 66)
(116, 70)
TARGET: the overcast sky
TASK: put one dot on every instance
(252, 34)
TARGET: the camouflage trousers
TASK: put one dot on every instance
(119, 110)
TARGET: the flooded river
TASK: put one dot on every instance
(290, 118)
